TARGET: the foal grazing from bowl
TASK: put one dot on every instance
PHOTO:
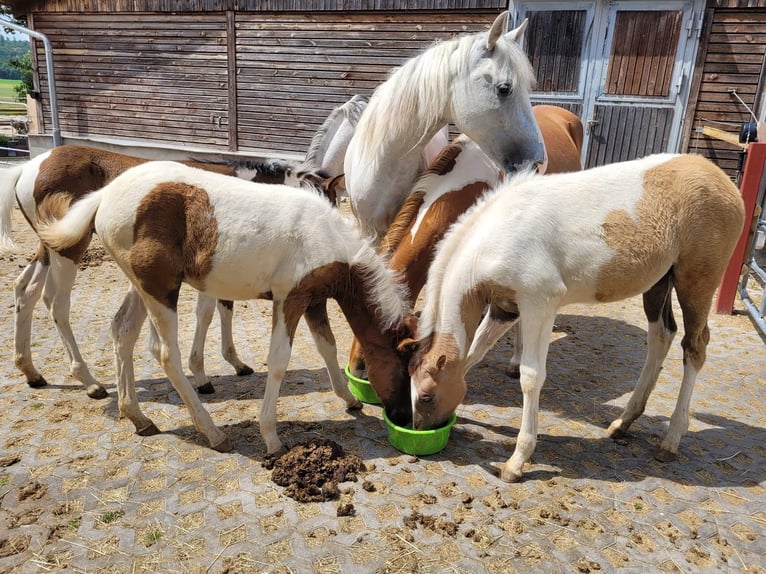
(165, 223)
(646, 226)
(53, 179)
(452, 183)
(480, 82)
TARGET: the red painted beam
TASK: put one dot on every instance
(750, 185)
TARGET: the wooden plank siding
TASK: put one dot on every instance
(139, 76)
(734, 59)
(294, 68)
(258, 82)
(201, 6)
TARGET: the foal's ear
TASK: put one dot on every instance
(411, 324)
(440, 362)
(335, 183)
(407, 345)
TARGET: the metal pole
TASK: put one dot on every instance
(51, 77)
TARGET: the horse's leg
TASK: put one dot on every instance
(356, 363)
(57, 297)
(126, 327)
(536, 327)
(319, 325)
(518, 347)
(494, 325)
(166, 322)
(27, 290)
(204, 313)
(228, 350)
(695, 296)
(658, 308)
(280, 348)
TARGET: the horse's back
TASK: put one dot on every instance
(210, 228)
(609, 232)
(562, 134)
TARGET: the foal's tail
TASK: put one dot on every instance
(8, 179)
(77, 224)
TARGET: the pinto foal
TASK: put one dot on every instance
(646, 227)
(43, 187)
(165, 223)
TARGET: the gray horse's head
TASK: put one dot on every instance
(490, 96)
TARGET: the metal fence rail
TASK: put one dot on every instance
(754, 272)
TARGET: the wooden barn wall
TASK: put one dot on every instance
(139, 76)
(229, 81)
(294, 68)
(201, 6)
(733, 59)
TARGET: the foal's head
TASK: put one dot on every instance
(437, 379)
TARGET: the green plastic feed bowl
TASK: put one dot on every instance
(419, 442)
(362, 389)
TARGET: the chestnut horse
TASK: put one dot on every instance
(452, 183)
(42, 187)
(646, 227)
(166, 223)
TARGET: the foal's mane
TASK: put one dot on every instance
(272, 168)
(384, 288)
(443, 163)
(350, 110)
(453, 241)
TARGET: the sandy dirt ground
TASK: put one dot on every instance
(80, 492)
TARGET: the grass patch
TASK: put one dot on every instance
(111, 516)
(7, 89)
(8, 104)
(152, 537)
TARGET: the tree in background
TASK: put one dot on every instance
(20, 62)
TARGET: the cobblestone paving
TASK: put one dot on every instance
(80, 492)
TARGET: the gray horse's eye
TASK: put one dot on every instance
(425, 398)
(504, 89)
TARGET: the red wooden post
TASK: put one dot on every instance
(750, 185)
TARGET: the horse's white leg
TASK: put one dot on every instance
(27, 290)
(537, 327)
(660, 332)
(204, 314)
(57, 297)
(228, 350)
(154, 342)
(126, 327)
(166, 322)
(695, 300)
(280, 348)
(494, 325)
(319, 325)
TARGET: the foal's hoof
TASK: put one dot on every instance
(150, 430)
(96, 391)
(244, 371)
(224, 446)
(206, 389)
(509, 475)
(665, 455)
(355, 406)
(37, 383)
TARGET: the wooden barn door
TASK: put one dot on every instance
(642, 83)
(623, 66)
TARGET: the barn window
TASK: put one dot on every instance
(643, 53)
(554, 45)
